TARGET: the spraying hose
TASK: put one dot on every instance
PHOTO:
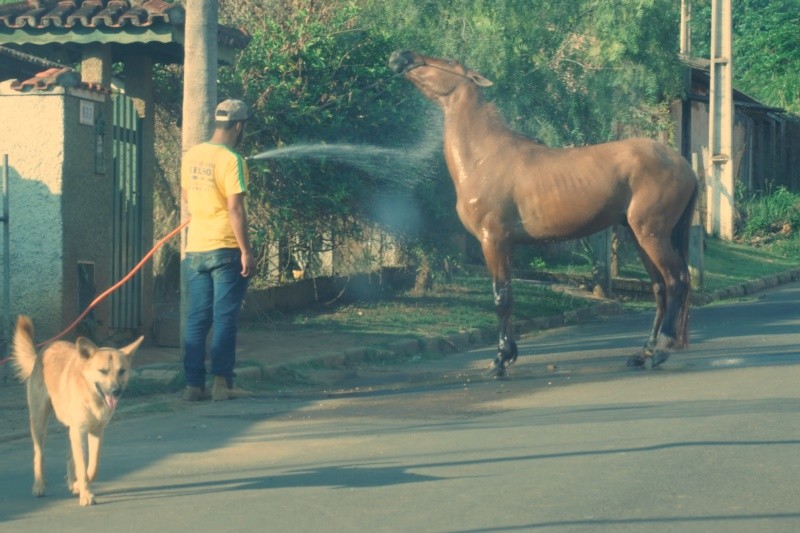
(116, 286)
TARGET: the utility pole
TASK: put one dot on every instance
(696, 233)
(6, 266)
(685, 53)
(199, 96)
(686, 28)
(199, 71)
(720, 190)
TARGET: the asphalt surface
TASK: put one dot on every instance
(573, 441)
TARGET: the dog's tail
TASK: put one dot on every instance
(24, 349)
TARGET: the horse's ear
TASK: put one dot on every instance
(478, 79)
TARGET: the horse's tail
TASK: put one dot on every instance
(681, 235)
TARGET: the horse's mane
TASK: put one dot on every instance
(495, 119)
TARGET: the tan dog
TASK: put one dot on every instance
(82, 384)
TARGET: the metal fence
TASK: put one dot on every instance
(126, 303)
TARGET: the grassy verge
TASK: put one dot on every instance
(465, 302)
(726, 263)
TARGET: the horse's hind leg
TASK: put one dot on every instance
(659, 293)
(673, 269)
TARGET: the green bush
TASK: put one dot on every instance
(770, 215)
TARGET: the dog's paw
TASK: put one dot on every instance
(38, 488)
(86, 499)
(73, 487)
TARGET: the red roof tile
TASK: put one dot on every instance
(56, 77)
(89, 13)
(44, 15)
(64, 77)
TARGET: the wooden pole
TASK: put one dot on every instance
(601, 247)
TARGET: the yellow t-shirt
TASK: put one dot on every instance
(211, 173)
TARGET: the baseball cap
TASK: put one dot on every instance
(230, 110)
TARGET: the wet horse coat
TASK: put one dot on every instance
(514, 190)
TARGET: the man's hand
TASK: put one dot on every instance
(248, 265)
(238, 216)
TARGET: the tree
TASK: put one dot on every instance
(570, 72)
(585, 71)
(316, 75)
(766, 55)
(767, 51)
(567, 71)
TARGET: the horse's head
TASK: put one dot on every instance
(436, 78)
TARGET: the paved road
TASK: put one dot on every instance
(710, 442)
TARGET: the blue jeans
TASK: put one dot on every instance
(216, 290)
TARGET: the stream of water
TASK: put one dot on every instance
(404, 166)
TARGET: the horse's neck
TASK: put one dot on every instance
(471, 120)
(471, 133)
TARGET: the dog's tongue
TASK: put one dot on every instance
(111, 401)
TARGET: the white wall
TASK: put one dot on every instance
(32, 136)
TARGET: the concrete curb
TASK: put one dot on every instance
(152, 376)
(752, 287)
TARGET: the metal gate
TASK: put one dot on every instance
(126, 303)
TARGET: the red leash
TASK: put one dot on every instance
(116, 286)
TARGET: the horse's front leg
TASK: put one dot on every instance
(498, 259)
(506, 346)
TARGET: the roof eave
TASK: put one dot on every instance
(151, 35)
(27, 36)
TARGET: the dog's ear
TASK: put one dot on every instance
(132, 347)
(85, 347)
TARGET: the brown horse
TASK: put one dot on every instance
(514, 190)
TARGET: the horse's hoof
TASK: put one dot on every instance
(496, 371)
(664, 343)
(635, 361)
(659, 356)
(514, 354)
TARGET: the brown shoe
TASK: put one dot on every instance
(224, 391)
(195, 394)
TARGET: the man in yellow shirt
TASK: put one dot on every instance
(219, 260)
